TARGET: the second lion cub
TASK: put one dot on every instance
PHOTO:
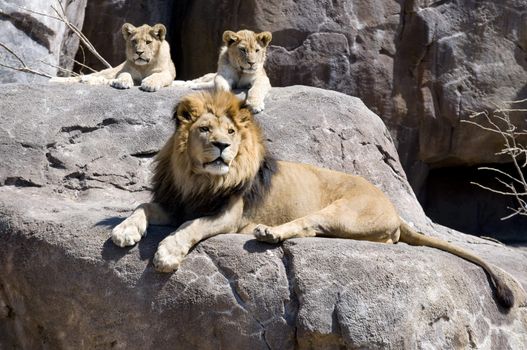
(241, 66)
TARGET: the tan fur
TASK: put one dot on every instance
(300, 200)
(148, 62)
(241, 66)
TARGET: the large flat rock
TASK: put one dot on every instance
(76, 160)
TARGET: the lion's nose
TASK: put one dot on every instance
(251, 63)
(221, 145)
(139, 52)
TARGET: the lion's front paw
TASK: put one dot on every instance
(168, 256)
(256, 107)
(122, 83)
(151, 84)
(266, 234)
(127, 233)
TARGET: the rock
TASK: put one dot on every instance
(76, 161)
(421, 65)
(36, 38)
(104, 19)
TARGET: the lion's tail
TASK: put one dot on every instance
(503, 292)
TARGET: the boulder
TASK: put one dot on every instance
(76, 160)
(38, 37)
(421, 65)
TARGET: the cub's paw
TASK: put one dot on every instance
(168, 256)
(150, 84)
(265, 234)
(122, 83)
(127, 233)
(256, 107)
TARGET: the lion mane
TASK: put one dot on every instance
(180, 190)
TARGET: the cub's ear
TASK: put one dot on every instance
(264, 38)
(230, 37)
(188, 109)
(127, 30)
(159, 31)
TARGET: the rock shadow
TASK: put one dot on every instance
(255, 246)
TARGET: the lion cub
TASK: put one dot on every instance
(148, 62)
(241, 66)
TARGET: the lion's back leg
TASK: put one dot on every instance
(361, 218)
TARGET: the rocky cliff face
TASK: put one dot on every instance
(41, 41)
(75, 161)
(422, 66)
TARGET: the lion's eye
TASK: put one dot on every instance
(134, 42)
(148, 42)
(243, 49)
(257, 50)
(204, 129)
(231, 131)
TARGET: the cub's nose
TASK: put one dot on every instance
(221, 145)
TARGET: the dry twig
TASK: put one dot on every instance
(61, 16)
(24, 67)
(513, 184)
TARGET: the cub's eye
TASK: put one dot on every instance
(231, 131)
(148, 42)
(134, 42)
(243, 49)
(204, 129)
(257, 50)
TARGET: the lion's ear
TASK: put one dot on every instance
(264, 38)
(127, 30)
(245, 115)
(230, 37)
(189, 109)
(159, 31)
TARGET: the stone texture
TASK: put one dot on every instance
(75, 161)
(104, 19)
(37, 38)
(421, 65)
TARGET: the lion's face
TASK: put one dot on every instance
(246, 49)
(143, 43)
(213, 142)
(215, 135)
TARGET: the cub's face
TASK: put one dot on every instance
(213, 143)
(246, 49)
(143, 43)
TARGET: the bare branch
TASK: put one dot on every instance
(60, 68)
(26, 70)
(24, 67)
(61, 16)
(81, 64)
(13, 53)
(81, 36)
(500, 123)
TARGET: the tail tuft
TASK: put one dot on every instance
(504, 294)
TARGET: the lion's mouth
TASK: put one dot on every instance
(142, 60)
(216, 162)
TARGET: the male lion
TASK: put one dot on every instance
(147, 62)
(241, 66)
(214, 176)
